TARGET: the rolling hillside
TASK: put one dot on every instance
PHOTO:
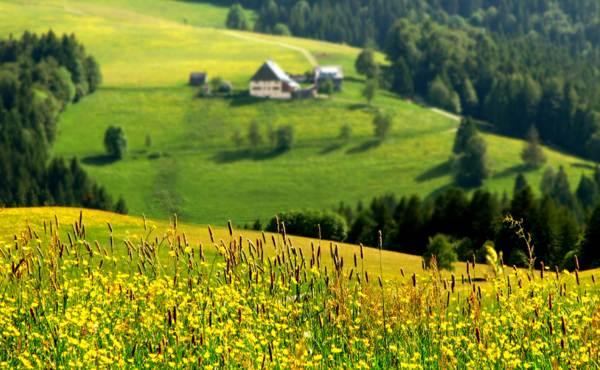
(146, 50)
(16, 220)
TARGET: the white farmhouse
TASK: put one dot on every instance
(270, 81)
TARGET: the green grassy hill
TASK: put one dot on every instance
(147, 49)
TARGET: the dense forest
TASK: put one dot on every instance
(562, 224)
(39, 77)
(514, 64)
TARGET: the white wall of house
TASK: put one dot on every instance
(269, 89)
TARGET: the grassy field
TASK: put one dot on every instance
(155, 298)
(147, 49)
(15, 221)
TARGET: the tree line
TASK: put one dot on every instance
(39, 77)
(572, 24)
(562, 224)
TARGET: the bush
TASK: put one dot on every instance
(115, 142)
(443, 250)
(326, 86)
(306, 223)
(236, 18)
(281, 29)
(284, 138)
(345, 132)
(383, 124)
(444, 97)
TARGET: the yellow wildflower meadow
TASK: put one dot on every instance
(158, 301)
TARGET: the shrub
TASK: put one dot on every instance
(370, 90)
(443, 250)
(345, 132)
(281, 29)
(236, 18)
(306, 223)
(326, 87)
(383, 124)
(284, 138)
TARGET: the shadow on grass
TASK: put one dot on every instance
(438, 171)
(586, 166)
(332, 147)
(435, 193)
(513, 171)
(231, 156)
(99, 160)
(367, 145)
(362, 106)
(354, 79)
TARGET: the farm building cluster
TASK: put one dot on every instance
(272, 82)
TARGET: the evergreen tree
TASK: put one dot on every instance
(520, 183)
(587, 192)
(466, 130)
(561, 191)
(121, 207)
(590, 247)
(471, 166)
(402, 79)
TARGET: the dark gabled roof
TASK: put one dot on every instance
(198, 74)
(270, 71)
(265, 73)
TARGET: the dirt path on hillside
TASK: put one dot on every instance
(307, 54)
(452, 116)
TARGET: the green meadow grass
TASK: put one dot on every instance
(147, 50)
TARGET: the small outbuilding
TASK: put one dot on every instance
(197, 78)
(334, 74)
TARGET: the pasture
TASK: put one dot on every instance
(193, 168)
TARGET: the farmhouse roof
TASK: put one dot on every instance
(334, 72)
(270, 71)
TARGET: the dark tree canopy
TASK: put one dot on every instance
(236, 18)
(39, 77)
(115, 142)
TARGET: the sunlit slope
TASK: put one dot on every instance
(14, 221)
(193, 167)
